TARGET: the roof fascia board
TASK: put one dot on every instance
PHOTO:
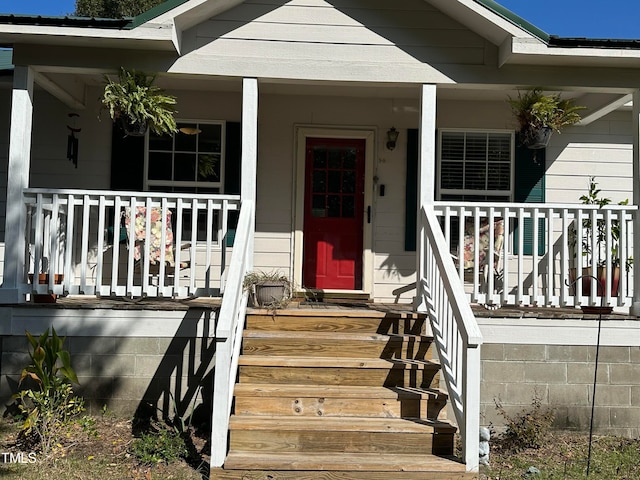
(155, 12)
(515, 19)
(154, 38)
(481, 19)
(582, 55)
(191, 13)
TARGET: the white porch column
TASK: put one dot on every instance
(426, 179)
(17, 181)
(635, 307)
(249, 152)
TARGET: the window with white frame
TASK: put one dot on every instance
(190, 160)
(475, 165)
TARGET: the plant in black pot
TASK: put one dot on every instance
(539, 115)
(268, 289)
(137, 104)
(595, 253)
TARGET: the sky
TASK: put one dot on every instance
(566, 18)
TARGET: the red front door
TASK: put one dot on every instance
(334, 213)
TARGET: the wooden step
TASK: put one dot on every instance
(340, 435)
(334, 401)
(346, 466)
(339, 321)
(337, 344)
(339, 371)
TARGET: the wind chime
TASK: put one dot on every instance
(72, 140)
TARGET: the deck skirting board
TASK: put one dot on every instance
(537, 331)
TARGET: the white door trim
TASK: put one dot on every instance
(367, 134)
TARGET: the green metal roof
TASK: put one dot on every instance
(126, 23)
(155, 12)
(515, 19)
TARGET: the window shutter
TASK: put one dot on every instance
(232, 169)
(530, 188)
(127, 161)
(411, 190)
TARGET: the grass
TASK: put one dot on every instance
(564, 457)
(107, 455)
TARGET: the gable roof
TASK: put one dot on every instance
(162, 27)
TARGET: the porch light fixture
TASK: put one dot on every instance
(190, 130)
(392, 138)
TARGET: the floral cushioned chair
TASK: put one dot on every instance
(155, 246)
(489, 263)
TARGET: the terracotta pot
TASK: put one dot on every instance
(43, 279)
(587, 282)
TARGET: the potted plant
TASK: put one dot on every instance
(596, 252)
(540, 115)
(137, 104)
(268, 289)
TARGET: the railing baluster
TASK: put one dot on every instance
(549, 292)
(608, 266)
(520, 291)
(534, 257)
(194, 239)
(115, 255)
(100, 253)
(222, 236)
(564, 257)
(506, 213)
(622, 285)
(487, 275)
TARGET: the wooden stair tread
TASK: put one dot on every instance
(338, 424)
(375, 315)
(345, 362)
(343, 391)
(310, 461)
(320, 336)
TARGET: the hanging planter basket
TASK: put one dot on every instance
(133, 129)
(537, 139)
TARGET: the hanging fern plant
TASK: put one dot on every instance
(135, 102)
(536, 111)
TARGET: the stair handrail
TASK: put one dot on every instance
(230, 324)
(455, 330)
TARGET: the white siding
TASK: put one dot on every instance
(602, 149)
(332, 40)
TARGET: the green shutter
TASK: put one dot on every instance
(411, 190)
(232, 170)
(530, 188)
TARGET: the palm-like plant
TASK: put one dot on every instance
(137, 103)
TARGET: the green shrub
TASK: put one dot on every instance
(49, 407)
(526, 429)
(159, 445)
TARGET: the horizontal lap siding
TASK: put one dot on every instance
(602, 149)
(306, 35)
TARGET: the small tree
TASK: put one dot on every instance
(113, 8)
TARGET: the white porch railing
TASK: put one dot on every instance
(229, 335)
(456, 333)
(544, 245)
(104, 243)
